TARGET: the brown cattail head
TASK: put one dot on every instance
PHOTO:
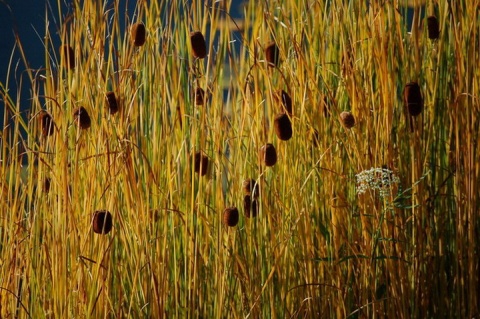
(413, 98)
(102, 222)
(112, 102)
(230, 216)
(348, 120)
(251, 187)
(46, 185)
(68, 56)
(138, 33)
(47, 124)
(268, 154)
(285, 101)
(272, 54)
(200, 163)
(250, 207)
(199, 96)
(82, 118)
(433, 27)
(283, 127)
(199, 46)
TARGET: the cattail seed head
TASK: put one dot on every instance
(348, 120)
(199, 96)
(200, 163)
(47, 124)
(413, 98)
(433, 27)
(138, 33)
(82, 118)
(46, 185)
(272, 54)
(268, 154)
(230, 216)
(251, 187)
(285, 101)
(283, 127)
(102, 222)
(199, 46)
(112, 102)
(68, 56)
(250, 207)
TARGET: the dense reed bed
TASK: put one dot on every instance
(317, 159)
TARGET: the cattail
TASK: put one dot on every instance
(199, 46)
(286, 101)
(272, 54)
(251, 187)
(348, 120)
(199, 96)
(102, 222)
(268, 154)
(413, 98)
(112, 102)
(433, 27)
(283, 127)
(68, 56)
(200, 163)
(138, 33)
(230, 216)
(46, 185)
(82, 118)
(47, 124)
(250, 207)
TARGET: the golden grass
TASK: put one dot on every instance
(318, 248)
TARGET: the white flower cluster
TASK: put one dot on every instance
(376, 179)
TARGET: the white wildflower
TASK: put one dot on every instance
(376, 179)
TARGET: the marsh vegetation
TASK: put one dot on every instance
(317, 159)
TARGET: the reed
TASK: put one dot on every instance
(371, 213)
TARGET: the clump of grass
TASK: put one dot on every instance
(319, 246)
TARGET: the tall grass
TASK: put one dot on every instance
(319, 248)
